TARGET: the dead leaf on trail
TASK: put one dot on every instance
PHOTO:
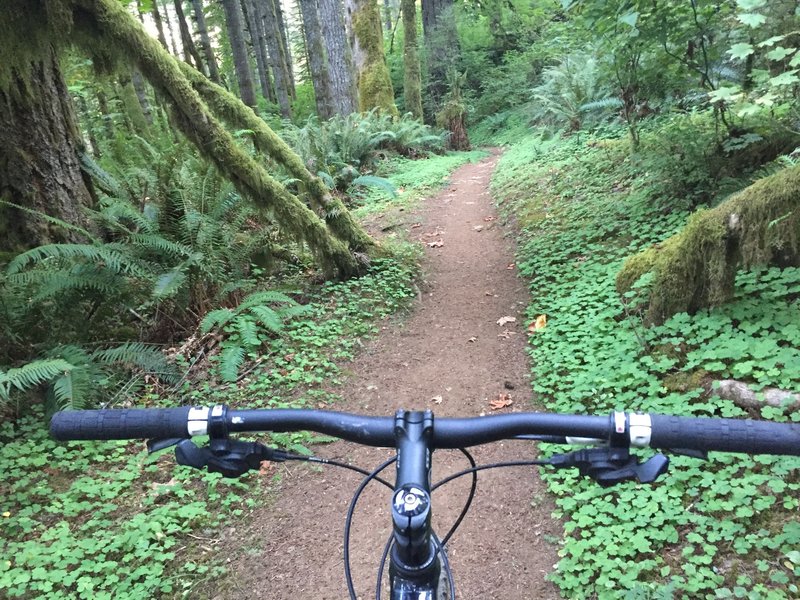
(416, 225)
(504, 320)
(538, 324)
(436, 244)
(489, 218)
(489, 294)
(472, 339)
(506, 334)
(267, 468)
(478, 227)
(502, 401)
(436, 399)
(510, 266)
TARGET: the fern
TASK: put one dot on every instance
(231, 359)
(32, 374)
(375, 182)
(111, 256)
(52, 220)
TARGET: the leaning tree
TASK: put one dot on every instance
(40, 158)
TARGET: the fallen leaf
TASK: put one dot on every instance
(267, 468)
(489, 294)
(510, 266)
(436, 244)
(416, 225)
(472, 339)
(478, 227)
(538, 323)
(506, 334)
(436, 399)
(503, 320)
(489, 219)
(502, 401)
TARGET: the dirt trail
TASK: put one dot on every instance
(450, 347)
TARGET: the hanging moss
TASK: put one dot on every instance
(233, 110)
(110, 24)
(374, 83)
(696, 268)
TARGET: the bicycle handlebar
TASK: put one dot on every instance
(641, 430)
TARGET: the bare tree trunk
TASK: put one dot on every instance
(241, 62)
(412, 83)
(159, 25)
(388, 10)
(256, 29)
(171, 32)
(190, 52)
(286, 48)
(276, 55)
(317, 59)
(205, 40)
(39, 159)
(340, 57)
(374, 85)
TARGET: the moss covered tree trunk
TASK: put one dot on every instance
(697, 267)
(115, 27)
(372, 74)
(340, 57)
(412, 83)
(39, 157)
(336, 215)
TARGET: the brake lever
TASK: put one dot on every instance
(231, 458)
(609, 466)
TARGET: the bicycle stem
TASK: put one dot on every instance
(413, 557)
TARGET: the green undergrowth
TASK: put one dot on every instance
(413, 179)
(104, 520)
(728, 527)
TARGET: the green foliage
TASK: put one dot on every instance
(717, 529)
(571, 92)
(248, 327)
(342, 147)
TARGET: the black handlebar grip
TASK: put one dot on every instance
(121, 424)
(725, 435)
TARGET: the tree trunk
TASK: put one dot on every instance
(205, 41)
(159, 25)
(141, 95)
(372, 74)
(133, 109)
(256, 29)
(441, 39)
(412, 83)
(241, 62)
(317, 59)
(39, 159)
(170, 31)
(340, 58)
(190, 53)
(276, 55)
(388, 16)
(285, 47)
(696, 268)
(336, 215)
(116, 27)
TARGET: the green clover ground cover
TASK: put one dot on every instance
(729, 527)
(104, 520)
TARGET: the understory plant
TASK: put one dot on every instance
(727, 527)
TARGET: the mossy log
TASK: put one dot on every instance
(745, 397)
(231, 109)
(113, 27)
(696, 268)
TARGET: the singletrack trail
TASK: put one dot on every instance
(451, 356)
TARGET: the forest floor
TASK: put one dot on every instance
(455, 353)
